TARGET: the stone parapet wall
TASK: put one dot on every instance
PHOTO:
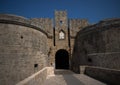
(106, 75)
(38, 78)
(35, 79)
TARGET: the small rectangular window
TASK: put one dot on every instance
(35, 65)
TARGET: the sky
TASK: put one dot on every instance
(93, 10)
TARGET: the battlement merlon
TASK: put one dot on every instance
(61, 12)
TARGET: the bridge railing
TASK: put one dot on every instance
(106, 75)
(37, 78)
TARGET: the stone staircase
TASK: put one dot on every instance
(67, 77)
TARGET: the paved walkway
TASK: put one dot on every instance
(66, 77)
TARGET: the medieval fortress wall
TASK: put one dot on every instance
(28, 45)
(23, 49)
(98, 45)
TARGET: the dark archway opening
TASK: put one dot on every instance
(62, 59)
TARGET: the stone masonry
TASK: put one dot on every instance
(29, 45)
(98, 45)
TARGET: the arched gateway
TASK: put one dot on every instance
(62, 59)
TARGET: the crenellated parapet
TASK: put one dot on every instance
(18, 20)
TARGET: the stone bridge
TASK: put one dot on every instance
(51, 76)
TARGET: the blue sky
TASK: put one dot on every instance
(93, 10)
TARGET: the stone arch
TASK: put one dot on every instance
(62, 59)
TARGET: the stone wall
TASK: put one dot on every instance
(98, 45)
(23, 50)
(76, 25)
(35, 79)
(108, 76)
(46, 24)
(38, 78)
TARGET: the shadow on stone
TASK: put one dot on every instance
(71, 80)
(63, 72)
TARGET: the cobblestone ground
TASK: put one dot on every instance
(63, 77)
